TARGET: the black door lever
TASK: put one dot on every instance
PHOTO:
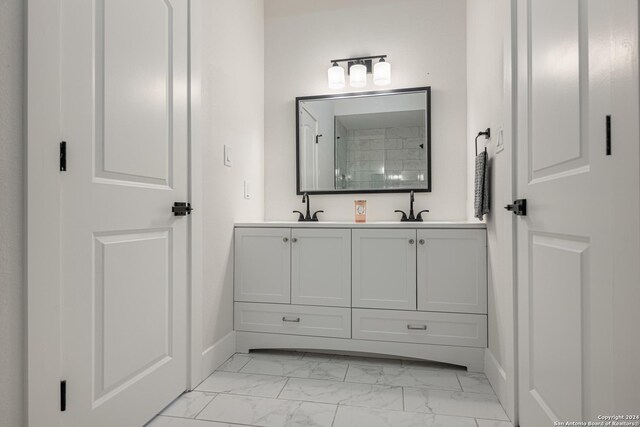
(181, 209)
(519, 207)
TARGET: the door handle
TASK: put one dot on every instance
(181, 209)
(417, 327)
(290, 319)
(519, 207)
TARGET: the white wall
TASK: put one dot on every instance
(233, 114)
(488, 105)
(12, 325)
(426, 44)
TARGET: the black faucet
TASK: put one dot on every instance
(411, 217)
(307, 217)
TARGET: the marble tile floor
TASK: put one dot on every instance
(278, 389)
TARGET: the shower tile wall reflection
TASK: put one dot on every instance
(391, 157)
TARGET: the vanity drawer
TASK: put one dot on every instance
(468, 330)
(293, 319)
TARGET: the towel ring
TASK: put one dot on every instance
(487, 135)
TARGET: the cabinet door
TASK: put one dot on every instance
(384, 269)
(262, 265)
(452, 270)
(321, 267)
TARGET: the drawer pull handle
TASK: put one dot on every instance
(294, 240)
(291, 319)
(422, 242)
(411, 241)
(285, 239)
(418, 327)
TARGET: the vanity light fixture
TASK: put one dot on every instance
(336, 76)
(358, 68)
(382, 73)
(358, 75)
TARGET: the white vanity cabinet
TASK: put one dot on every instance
(415, 290)
(321, 267)
(262, 270)
(452, 271)
(384, 268)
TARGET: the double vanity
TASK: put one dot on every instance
(415, 290)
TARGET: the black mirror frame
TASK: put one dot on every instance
(425, 89)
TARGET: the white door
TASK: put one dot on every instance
(262, 270)
(452, 270)
(124, 254)
(564, 243)
(384, 269)
(321, 266)
(308, 151)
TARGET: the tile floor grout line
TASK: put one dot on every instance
(282, 389)
(459, 382)
(335, 414)
(205, 406)
(206, 421)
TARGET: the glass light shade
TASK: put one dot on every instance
(336, 77)
(358, 75)
(382, 73)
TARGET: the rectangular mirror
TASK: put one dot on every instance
(369, 142)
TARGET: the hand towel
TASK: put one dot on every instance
(481, 204)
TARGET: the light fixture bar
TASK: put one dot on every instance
(360, 58)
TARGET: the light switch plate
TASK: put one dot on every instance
(227, 155)
(247, 190)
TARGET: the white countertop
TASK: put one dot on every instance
(372, 224)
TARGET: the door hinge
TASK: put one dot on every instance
(608, 130)
(63, 156)
(63, 395)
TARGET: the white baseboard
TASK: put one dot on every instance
(498, 379)
(217, 354)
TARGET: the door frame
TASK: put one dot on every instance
(43, 190)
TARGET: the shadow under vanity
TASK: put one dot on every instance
(415, 290)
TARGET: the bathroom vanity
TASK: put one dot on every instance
(416, 290)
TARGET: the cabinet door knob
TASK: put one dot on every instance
(285, 239)
(417, 327)
(291, 319)
(295, 239)
(411, 241)
(421, 241)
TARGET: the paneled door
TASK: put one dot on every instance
(564, 242)
(321, 266)
(124, 253)
(384, 268)
(309, 150)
